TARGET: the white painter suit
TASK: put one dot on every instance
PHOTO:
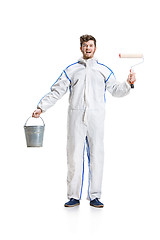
(87, 81)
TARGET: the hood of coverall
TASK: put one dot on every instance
(89, 62)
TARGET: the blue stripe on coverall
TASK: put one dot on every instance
(82, 173)
(59, 78)
(88, 155)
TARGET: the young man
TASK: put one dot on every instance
(87, 81)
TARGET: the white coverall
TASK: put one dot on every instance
(87, 81)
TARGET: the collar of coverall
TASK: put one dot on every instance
(88, 62)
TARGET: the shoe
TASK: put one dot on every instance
(72, 203)
(96, 203)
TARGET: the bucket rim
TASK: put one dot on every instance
(34, 126)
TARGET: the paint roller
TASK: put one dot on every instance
(132, 56)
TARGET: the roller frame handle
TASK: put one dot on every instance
(132, 84)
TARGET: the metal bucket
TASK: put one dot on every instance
(34, 134)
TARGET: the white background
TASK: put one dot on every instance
(38, 40)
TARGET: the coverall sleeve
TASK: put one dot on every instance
(58, 89)
(116, 88)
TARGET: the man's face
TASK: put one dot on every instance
(88, 49)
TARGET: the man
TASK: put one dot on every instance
(87, 81)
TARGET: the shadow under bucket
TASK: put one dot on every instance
(34, 134)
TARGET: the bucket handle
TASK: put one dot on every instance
(31, 117)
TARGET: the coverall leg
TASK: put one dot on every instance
(81, 134)
(75, 153)
(95, 149)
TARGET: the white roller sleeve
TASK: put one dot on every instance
(123, 55)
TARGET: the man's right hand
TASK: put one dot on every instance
(37, 113)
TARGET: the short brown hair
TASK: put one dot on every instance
(86, 38)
